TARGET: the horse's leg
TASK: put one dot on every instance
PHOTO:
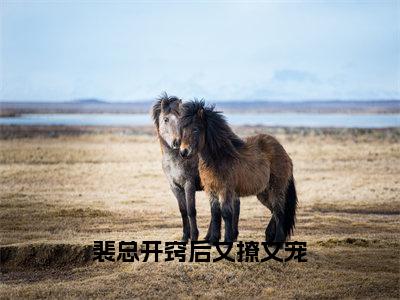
(227, 215)
(270, 231)
(214, 230)
(190, 191)
(279, 217)
(283, 199)
(279, 231)
(209, 231)
(236, 213)
(180, 196)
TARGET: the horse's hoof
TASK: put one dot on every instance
(227, 244)
(269, 242)
(228, 241)
(272, 244)
(195, 238)
(211, 240)
(184, 239)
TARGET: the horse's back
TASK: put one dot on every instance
(281, 167)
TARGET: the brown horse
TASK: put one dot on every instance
(230, 167)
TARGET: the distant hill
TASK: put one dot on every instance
(99, 106)
(332, 106)
(89, 101)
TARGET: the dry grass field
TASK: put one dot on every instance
(61, 190)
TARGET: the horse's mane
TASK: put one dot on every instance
(164, 103)
(220, 140)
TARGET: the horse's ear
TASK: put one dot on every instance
(164, 105)
(179, 105)
(200, 113)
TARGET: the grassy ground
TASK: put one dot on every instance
(60, 191)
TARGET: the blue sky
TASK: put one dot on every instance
(127, 50)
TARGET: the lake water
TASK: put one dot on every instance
(271, 119)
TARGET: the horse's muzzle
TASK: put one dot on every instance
(176, 143)
(184, 153)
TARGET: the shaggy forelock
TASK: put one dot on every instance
(166, 104)
(190, 110)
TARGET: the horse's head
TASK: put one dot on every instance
(192, 128)
(165, 113)
(203, 128)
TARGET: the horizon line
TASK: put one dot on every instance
(132, 101)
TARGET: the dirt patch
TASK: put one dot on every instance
(376, 208)
(79, 213)
(44, 256)
(356, 242)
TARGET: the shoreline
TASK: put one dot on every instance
(54, 131)
(388, 106)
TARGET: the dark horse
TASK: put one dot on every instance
(230, 167)
(183, 174)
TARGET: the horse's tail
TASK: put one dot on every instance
(290, 209)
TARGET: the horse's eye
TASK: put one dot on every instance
(166, 120)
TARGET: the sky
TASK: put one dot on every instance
(133, 51)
